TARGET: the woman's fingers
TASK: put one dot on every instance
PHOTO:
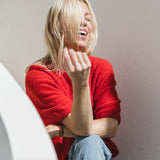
(76, 61)
(68, 62)
(86, 59)
(81, 60)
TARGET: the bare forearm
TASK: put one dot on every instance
(68, 133)
(81, 114)
(79, 121)
(104, 127)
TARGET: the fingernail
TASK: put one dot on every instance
(71, 50)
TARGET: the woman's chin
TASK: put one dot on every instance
(81, 45)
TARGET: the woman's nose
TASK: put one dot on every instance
(83, 23)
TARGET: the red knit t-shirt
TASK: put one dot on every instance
(52, 95)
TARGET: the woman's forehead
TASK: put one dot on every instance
(84, 8)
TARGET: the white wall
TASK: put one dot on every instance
(130, 40)
(129, 37)
(21, 33)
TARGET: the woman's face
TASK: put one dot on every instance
(85, 28)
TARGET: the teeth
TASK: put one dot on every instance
(82, 33)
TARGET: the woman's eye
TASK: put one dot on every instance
(88, 19)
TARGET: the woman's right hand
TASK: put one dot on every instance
(77, 66)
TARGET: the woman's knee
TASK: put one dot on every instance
(90, 148)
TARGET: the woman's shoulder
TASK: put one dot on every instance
(37, 72)
(42, 73)
(36, 67)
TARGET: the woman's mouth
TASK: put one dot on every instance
(83, 33)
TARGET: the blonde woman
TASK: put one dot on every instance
(73, 91)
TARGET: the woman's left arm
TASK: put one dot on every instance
(103, 127)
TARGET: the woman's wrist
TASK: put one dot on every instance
(80, 87)
(53, 130)
(61, 129)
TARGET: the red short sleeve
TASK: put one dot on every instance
(48, 97)
(107, 103)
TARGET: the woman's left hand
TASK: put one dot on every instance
(53, 130)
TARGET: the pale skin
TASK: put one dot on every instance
(80, 121)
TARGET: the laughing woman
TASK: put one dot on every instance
(73, 91)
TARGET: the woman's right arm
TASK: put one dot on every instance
(80, 120)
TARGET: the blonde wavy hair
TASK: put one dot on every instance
(63, 22)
